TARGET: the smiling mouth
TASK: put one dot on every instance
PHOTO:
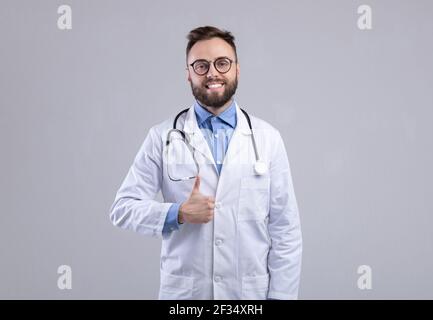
(214, 85)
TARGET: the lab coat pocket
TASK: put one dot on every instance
(175, 287)
(255, 287)
(254, 198)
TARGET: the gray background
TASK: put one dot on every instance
(354, 108)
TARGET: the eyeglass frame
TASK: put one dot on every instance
(213, 62)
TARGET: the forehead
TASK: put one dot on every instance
(210, 49)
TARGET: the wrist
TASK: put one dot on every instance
(180, 216)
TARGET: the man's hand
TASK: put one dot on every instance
(198, 208)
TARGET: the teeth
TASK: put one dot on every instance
(215, 85)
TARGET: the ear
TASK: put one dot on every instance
(188, 75)
(238, 69)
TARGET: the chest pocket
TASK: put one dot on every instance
(254, 198)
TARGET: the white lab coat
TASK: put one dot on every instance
(252, 248)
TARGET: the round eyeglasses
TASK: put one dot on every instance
(222, 65)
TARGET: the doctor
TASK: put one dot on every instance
(232, 231)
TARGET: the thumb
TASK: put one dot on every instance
(196, 187)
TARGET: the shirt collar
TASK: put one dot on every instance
(228, 116)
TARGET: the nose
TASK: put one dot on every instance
(212, 72)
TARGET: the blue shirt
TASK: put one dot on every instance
(218, 131)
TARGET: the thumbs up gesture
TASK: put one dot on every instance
(198, 208)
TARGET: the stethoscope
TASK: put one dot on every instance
(260, 167)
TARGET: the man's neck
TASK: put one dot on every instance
(217, 111)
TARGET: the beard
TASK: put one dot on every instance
(214, 99)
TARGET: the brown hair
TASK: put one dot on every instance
(209, 32)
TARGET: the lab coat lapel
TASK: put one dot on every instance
(197, 139)
(240, 144)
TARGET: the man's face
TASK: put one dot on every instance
(213, 89)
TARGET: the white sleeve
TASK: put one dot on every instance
(284, 260)
(134, 207)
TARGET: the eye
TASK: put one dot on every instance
(223, 63)
(200, 65)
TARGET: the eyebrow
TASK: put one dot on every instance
(214, 59)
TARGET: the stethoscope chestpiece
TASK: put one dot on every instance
(260, 167)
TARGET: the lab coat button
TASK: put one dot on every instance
(217, 205)
(218, 242)
(217, 278)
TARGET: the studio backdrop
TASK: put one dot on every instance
(347, 83)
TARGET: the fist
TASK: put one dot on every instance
(198, 208)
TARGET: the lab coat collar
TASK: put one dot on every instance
(191, 125)
(198, 141)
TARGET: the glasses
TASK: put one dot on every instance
(222, 65)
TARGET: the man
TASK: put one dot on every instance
(233, 232)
